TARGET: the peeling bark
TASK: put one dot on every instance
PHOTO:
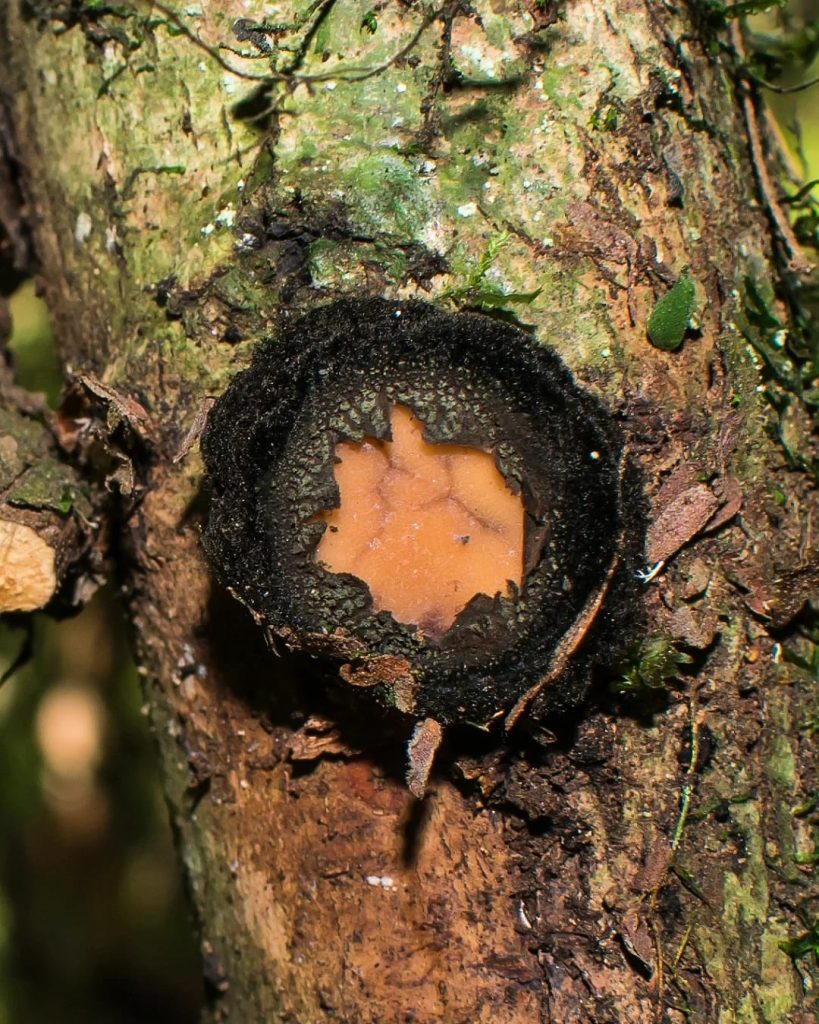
(52, 546)
(565, 165)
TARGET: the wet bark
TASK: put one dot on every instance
(185, 178)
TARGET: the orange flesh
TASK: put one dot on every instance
(425, 526)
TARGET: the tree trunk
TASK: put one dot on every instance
(185, 176)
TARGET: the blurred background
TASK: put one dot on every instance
(94, 926)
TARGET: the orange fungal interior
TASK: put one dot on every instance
(425, 526)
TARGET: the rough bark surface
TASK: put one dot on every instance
(638, 868)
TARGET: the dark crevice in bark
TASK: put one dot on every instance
(17, 259)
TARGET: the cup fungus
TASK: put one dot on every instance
(427, 498)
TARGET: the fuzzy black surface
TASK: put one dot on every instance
(332, 375)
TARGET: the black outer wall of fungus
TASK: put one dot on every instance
(332, 375)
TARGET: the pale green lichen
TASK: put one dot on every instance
(383, 193)
(746, 892)
(776, 993)
(746, 1013)
(781, 761)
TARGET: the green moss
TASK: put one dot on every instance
(53, 486)
(647, 669)
(560, 85)
(240, 290)
(780, 766)
(30, 475)
(309, 151)
(464, 174)
(804, 945)
(713, 950)
(606, 118)
(475, 287)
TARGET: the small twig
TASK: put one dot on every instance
(348, 75)
(658, 954)
(189, 34)
(685, 807)
(568, 644)
(784, 90)
(688, 787)
(576, 633)
(796, 260)
(681, 950)
(195, 432)
(797, 197)
(794, 168)
(318, 11)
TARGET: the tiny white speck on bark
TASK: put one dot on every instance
(83, 228)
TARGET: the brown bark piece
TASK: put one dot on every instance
(423, 746)
(692, 629)
(682, 519)
(730, 494)
(317, 738)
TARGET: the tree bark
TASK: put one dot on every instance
(186, 176)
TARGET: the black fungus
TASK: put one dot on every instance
(332, 375)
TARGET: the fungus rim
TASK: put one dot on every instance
(383, 351)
